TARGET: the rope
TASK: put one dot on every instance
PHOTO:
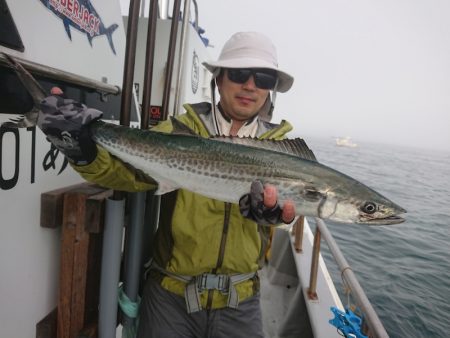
(347, 289)
(129, 308)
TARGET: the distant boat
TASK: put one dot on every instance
(345, 142)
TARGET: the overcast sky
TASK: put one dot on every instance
(375, 70)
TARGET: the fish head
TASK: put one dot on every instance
(370, 209)
(378, 212)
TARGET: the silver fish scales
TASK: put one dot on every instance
(224, 171)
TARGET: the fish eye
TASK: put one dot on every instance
(369, 207)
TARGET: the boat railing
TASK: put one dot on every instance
(372, 325)
(181, 55)
(64, 76)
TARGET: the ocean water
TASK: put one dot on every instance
(404, 268)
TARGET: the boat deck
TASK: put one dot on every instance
(283, 306)
(282, 301)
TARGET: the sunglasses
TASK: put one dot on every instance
(264, 78)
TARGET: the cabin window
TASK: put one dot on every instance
(14, 98)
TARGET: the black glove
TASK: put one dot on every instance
(66, 122)
(252, 206)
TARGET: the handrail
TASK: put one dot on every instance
(61, 75)
(297, 231)
(170, 60)
(129, 63)
(149, 60)
(312, 289)
(181, 51)
(371, 318)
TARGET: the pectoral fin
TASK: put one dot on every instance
(165, 187)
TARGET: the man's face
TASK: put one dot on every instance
(240, 101)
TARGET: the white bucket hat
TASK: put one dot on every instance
(250, 50)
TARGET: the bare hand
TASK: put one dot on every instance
(56, 91)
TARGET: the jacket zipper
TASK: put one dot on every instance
(226, 223)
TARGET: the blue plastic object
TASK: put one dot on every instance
(348, 323)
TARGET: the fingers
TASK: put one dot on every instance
(270, 200)
(288, 213)
(56, 91)
(270, 195)
(261, 205)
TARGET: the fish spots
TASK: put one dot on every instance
(172, 163)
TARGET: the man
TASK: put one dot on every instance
(203, 280)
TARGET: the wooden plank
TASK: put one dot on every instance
(46, 328)
(92, 294)
(95, 211)
(52, 202)
(80, 262)
(52, 206)
(90, 331)
(68, 237)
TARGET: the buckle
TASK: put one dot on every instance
(209, 281)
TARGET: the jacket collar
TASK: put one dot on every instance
(200, 114)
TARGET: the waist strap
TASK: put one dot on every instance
(225, 284)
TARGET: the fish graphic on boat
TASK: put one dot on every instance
(81, 15)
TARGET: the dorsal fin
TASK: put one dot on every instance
(296, 147)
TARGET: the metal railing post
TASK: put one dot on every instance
(149, 58)
(183, 39)
(111, 258)
(298, 233)
(110, 269)
(170, 59)
(130, 57)
(312, 289)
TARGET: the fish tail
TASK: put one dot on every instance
(109, 32)
(89, 39)
(67, 28)
(34, 89)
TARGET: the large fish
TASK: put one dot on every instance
(223, 168)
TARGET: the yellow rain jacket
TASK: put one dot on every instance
(196, 234)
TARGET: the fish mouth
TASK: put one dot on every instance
(382, 221)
